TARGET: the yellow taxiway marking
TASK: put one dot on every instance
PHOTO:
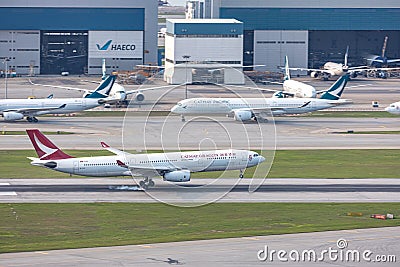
(251, 238)
(145, 246)
(41, 252)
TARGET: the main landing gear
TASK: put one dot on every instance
(146, 183)
(32, 119)
(241, 174)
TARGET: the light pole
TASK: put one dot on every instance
(5, 75)
(186, 57)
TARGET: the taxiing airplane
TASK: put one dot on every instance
(243, 109)
(17, 109)
(172, 166)
(394, 108)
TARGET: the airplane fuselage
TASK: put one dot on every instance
(334, 69)
(36, 107)
(299, 89)
(228, 105)
(195, 161)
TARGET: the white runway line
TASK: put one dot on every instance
(11, 193)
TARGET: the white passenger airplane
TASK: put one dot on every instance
(17, 109)
(173, 166)
(243, 109)
(118, 92)
(291, 87)
(332, 69)
(394, 108)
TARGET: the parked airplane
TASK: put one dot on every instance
(382, 61)
(17, 109)
(378, 66)
(243, 109)
(394, 108)
(293, 88)
(290, 88)
(172, 166)
(118, 92)
(331, 69)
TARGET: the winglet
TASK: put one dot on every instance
(104, 145)
(121, 164)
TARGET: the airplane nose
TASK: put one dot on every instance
(174, 109)
(261, 159)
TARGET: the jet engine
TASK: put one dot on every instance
(314, 74)
(278, 94)
(243, 115)
(12, 116)
(50, 164)
(177, 176)
(139, 97)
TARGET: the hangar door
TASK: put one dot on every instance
(64, 51)
(271, 47)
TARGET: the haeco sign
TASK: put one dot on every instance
(112, 44)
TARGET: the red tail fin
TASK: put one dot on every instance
(45, 149)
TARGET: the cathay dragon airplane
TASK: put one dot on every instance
(17, 109)
(243, 109)
(172, 167)
(394, 108)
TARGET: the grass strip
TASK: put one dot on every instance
(29, 227)
(352, 163)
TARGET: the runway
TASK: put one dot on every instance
(372, 245)
(155, 133)
(199, 191)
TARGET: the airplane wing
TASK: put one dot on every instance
(139, 170)
(393, 60)
(381, 69)
(306, 69)
(255, 88)
(114, 150)
(60, 87)
(150, 88)
(27, 111)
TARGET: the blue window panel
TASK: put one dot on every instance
(315, 18)
(204, 28)
(38, 18)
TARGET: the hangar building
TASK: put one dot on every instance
(53, 36)
(310, 32)
(204, 50)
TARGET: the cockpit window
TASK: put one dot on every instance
(255, 155)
